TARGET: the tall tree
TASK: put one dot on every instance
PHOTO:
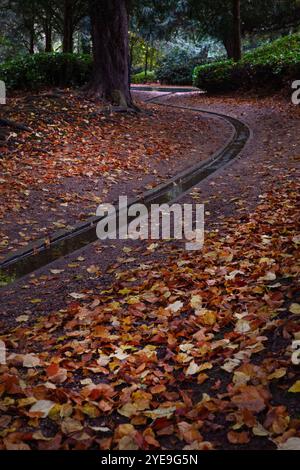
(68, 30)
(46, 18)
(73, 12)
(237, 38)
(110, 77)
(219, 18)
(27, 12)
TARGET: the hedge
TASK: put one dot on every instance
(142, 78)
(271, 66)
(46, 69)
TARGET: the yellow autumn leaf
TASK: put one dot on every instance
(295, 309)
(196, 302)
(36, 301)
(129, 410)
(91, 410)
(295, 388)
(207, 317)
(277, 374)
(205, 366)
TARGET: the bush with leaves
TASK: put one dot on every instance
(143, 78)
(177, 65)
(270, 66)
(46, 69)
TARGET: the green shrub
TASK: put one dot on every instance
(271, 66)
(46, 69)
(176, 67)
(142, 78)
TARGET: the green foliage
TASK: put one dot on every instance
(269, 66)
(215, 19)
(5, 279)
(142, 53)
(142, 78)
(46, 69)
(177, 65)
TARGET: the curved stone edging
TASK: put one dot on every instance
(40, 253)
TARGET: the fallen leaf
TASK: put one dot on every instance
(193, 368)
(189, 432)
(76, 295)
(70, 425)
(295, 309)
(293, 443)
(30, 360)
(22, 318)
(250, 398)
(259, 430)
(175, 307)
(129, 410)
(242, 326)
(277, 374)
(2, 352)
(238, 437)
(43, 407)
(295, 388)
(160, 412)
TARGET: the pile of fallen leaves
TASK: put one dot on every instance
(193, 354)
(72, 137)
(76, 151)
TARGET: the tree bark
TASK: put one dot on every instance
(146, 60)
(152, 56)
(68, 33)
(48, 36)
(237, 37)
(110, 78)
(31, 40)
(228, 44)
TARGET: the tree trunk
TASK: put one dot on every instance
(146, 60)
(31, 40)
(131, 49)
(228, 44)
(152, 55)
(110, 78)
(48, 37)
(68, 27)
(237, 39)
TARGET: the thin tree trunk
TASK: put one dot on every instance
(110, 78)
(31, 40)
(152, 54)
(48, 38)
(237, 39)
(146, 60)
(228, 44)
(68, 44)
(131, 53)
